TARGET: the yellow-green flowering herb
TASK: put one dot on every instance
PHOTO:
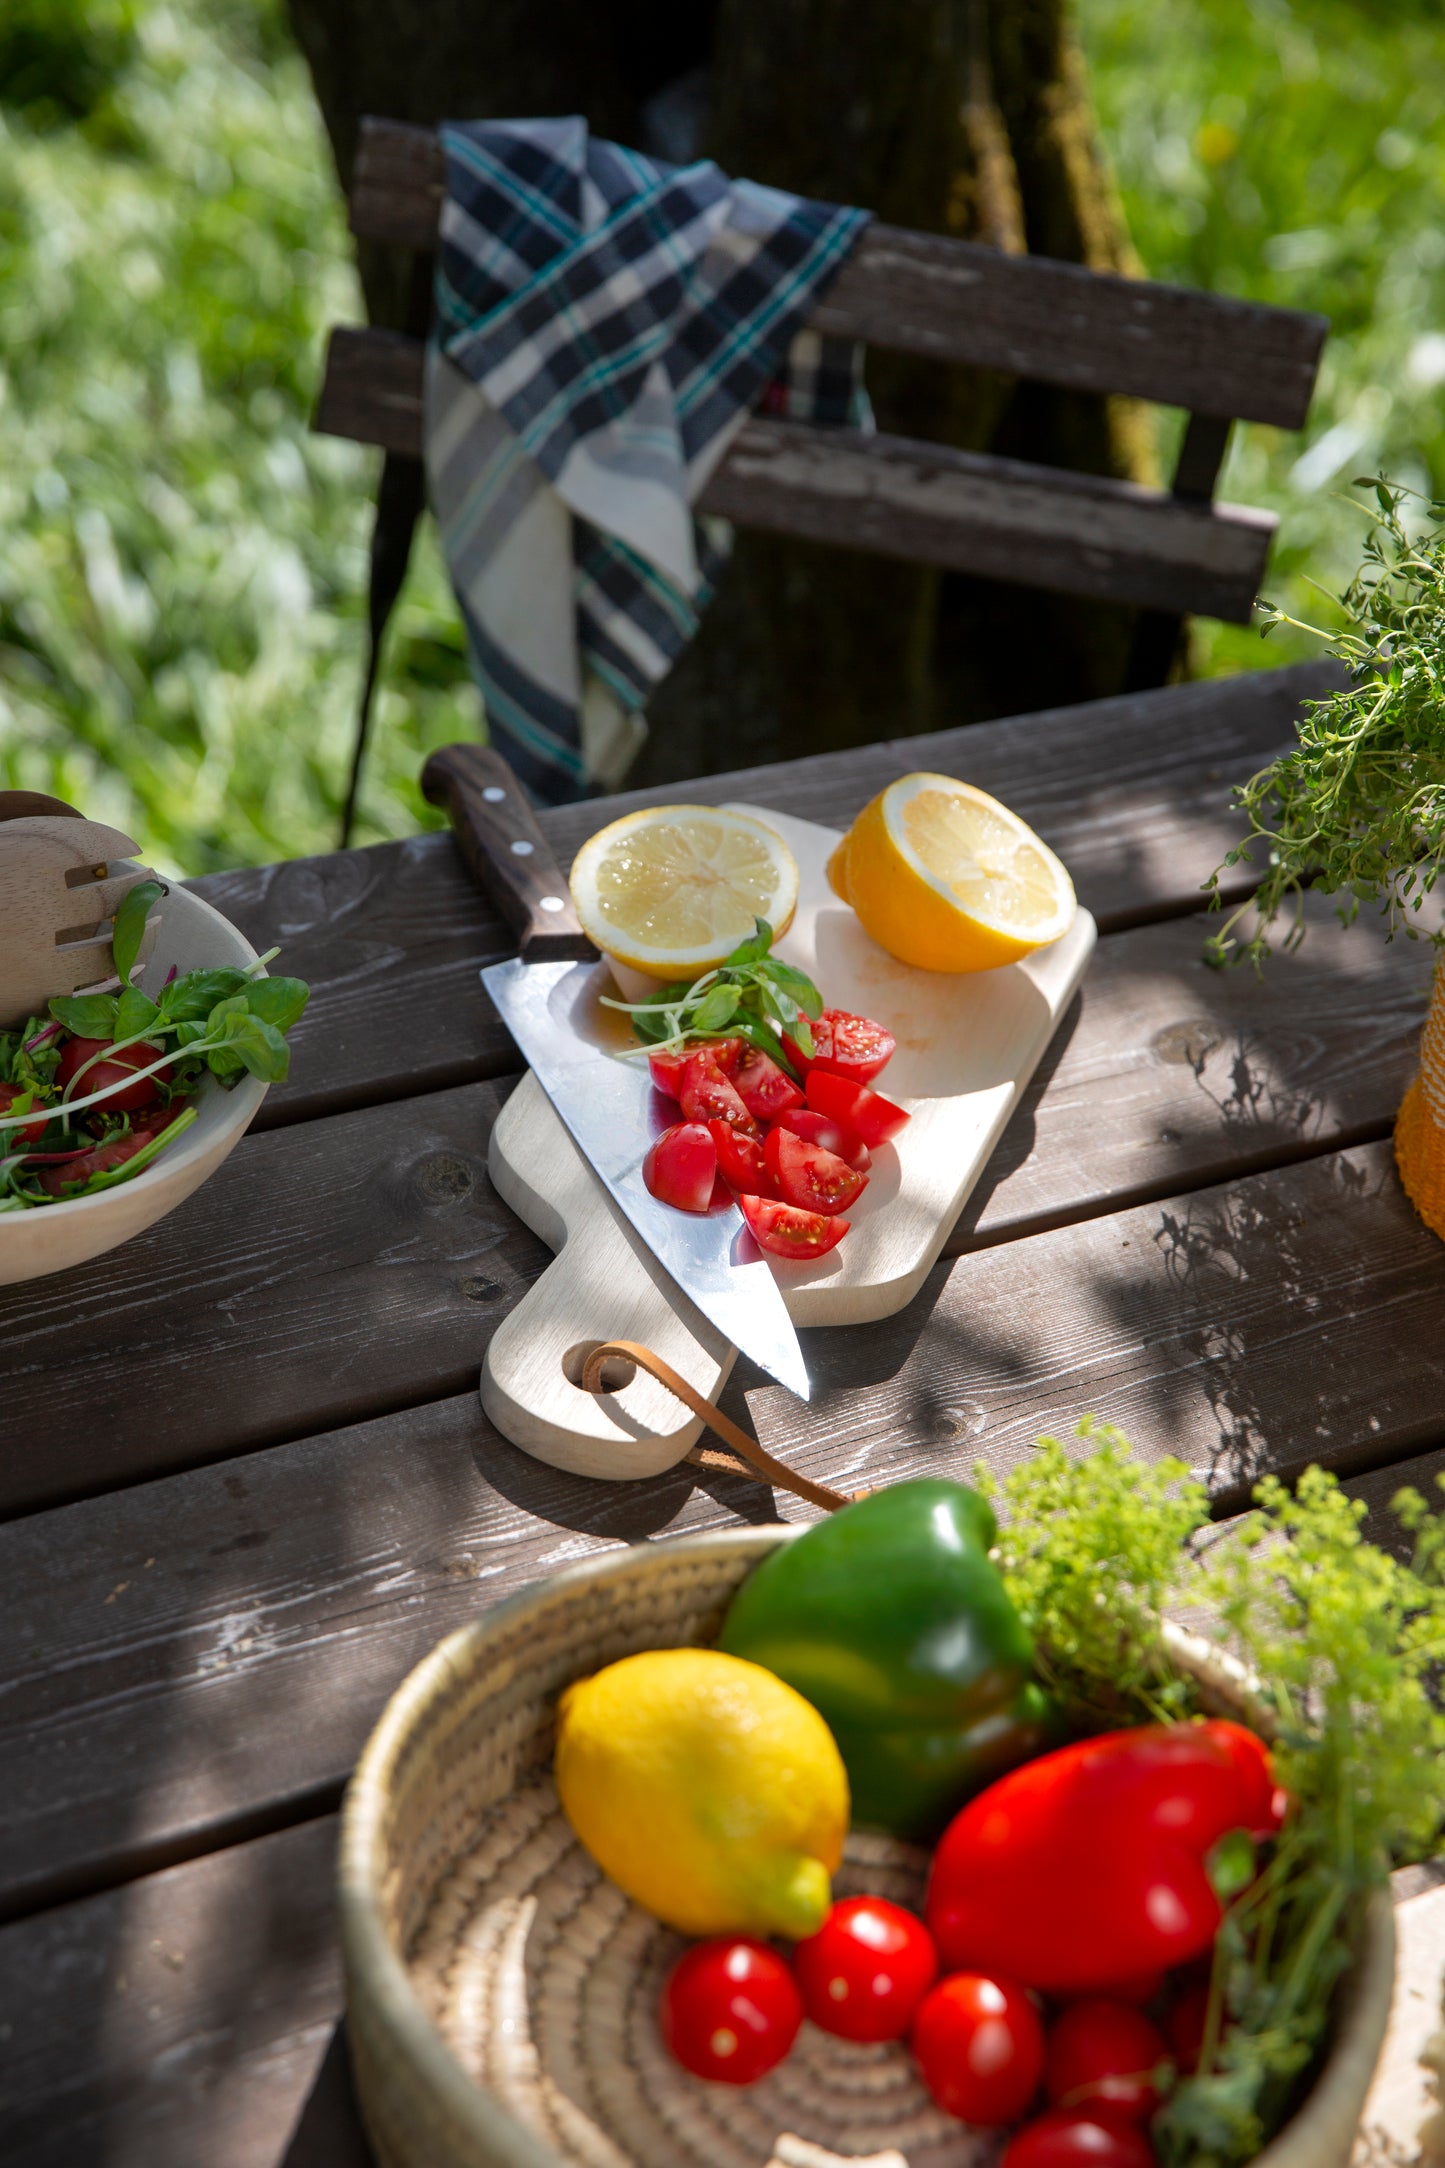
(1347, 1644)
(1357, 806)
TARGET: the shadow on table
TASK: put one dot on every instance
(328, 2131)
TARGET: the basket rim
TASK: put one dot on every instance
(372, 1962)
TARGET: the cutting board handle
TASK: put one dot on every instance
(506, 852)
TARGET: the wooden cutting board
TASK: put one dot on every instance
(967, 1046)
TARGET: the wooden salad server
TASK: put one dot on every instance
(61, 878)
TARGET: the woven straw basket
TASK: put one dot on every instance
(502, 1993)
(1420, 1124)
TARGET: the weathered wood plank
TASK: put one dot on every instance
(188, 1656)
(1133, 793)
(955, 301)
(1001, 519)
(177, 2021)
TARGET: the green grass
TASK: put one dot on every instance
(182, 564)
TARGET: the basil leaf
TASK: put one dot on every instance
(718, 1007)
(802, 1037)
(755, 947)
(795, 982)
(131, 914)
(192, 998)
(89, 1016)
(187, 1033)
(249, 1044)
(134, 1012)
(277, 1002)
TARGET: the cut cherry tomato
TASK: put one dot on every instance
(868, 1114)
(819, 1129)
(667, 1068)
(681, 1166)
(765, 1090)
(855, 1046)
(112, 1070)
(1102, 2055)
(99, 1160)
(866, 1970)
(822, 1046)
(730, 2010)
(706, 1095)
(787, 1232)
(25, 1132)
(807, 1176)
(1072, 2138)
(740, 1159)
(980, 2048)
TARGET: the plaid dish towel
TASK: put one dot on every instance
(605, 322)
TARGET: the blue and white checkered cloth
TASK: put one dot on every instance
(605, 322)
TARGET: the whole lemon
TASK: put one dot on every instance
(707, 1789)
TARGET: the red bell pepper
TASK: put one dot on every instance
(1089, 1865)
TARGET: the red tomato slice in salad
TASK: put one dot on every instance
(818, 1129)
(787, 1232)
(706, 1095)
(807, 1176)
(765, 1089)
(27, 1132)
(854, 1046)
(681, 1166)
(740, 1159)
(111, 1072)
(867, 1113)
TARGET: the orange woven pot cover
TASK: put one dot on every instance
(1420, 1124)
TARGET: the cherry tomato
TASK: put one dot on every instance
(706, 1095)
(807, 1176)
(100, 1160)
(868, 1114)
(730, 2010)
(822, 1045)
(740, 1160)
(787, 1232)
(26, 1132)
(1186, 2024)
(1102, 2054)
(77, 1052)
(667, 1068)
(818, 1129)
(980, 2048)
(765, 1090)
(681, 1166)
(855, 1047)
(865, 1971)
(1073, 2138)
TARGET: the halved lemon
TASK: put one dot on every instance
(945, 877)
(673, 889)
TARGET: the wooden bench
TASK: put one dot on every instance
(1171, 553)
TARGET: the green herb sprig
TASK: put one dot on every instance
(1357, 806)
(1346, 1644)
(752, 995)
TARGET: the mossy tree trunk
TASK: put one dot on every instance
(968, 117)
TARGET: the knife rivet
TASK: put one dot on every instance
(522, 848)
(550, 903)
(492, 795)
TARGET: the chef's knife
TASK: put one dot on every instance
(547, 998)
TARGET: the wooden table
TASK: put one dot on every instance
(247, 1482)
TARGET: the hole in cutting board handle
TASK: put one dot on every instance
(617, 1372)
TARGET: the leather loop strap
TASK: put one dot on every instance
(747, 1449)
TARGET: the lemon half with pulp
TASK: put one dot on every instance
(672, 890)
(945, 877)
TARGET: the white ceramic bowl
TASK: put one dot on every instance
(51, 1237)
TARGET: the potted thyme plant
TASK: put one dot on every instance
(1356, 807)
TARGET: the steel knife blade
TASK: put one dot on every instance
(553, 1013)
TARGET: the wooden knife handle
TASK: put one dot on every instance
(506, 852)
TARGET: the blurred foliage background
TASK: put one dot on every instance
(182, 564)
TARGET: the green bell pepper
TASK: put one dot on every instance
(890, 1617)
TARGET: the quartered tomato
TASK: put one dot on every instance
(681, 1166)
(1075, 2138)
(730, 2010)
(26, 1132)
(980, 2048)
(706, 1095)
(740, 1159)
(868, 1114)
(818, 1129)
(1102, 2054)
(865, 1971)
(851, 1046)
(765, 1090)
(787, 1232)
(111, 1071)
(667, 1068)
(822, 1044)
(807, 1176)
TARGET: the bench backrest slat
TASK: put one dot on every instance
(954, 301)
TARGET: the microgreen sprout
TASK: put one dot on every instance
(751, 995)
